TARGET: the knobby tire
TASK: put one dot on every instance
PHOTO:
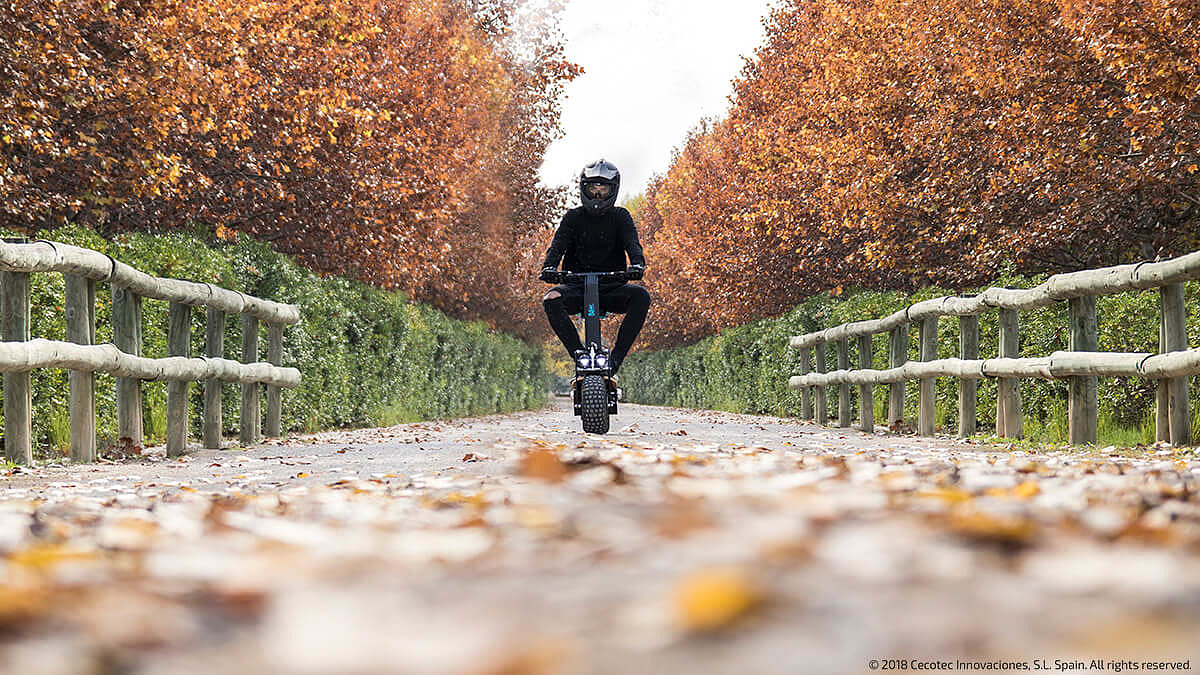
(594, 404)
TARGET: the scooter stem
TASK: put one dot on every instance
(591, 311)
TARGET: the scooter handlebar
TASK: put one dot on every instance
(559, 277)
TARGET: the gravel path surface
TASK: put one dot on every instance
(682, 542)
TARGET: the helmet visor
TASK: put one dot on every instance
(597, 190)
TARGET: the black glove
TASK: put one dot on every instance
(549, 275)
(635, 272)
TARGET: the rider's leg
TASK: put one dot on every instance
(634, 301)
(560, 302)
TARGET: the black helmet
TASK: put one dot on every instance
(598, 185)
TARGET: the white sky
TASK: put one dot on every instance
(652, 70)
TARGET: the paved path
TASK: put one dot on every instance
(683, 542)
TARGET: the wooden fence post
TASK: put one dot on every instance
(821, 404)
(1082, 407)
(127, 336)
(274, 402)
(179, 333)
(1162, 413)
(214, 347)
(251, 423)
(968, 350)
(18, 395)
(806, 404)
(898, 356)
(866, 397)
(1008, 394)
(80, 305)
(928, 347)
(1174, 339)
(843, 363)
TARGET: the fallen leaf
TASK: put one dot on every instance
(20, 604)
(539, 658)
(1026, 490)
(544, 465)
(680, 518)
(476, 500)
(951, 495)
(989, 529)
(42, 557)
(714, 599)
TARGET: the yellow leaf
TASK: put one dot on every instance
(985, 528)
(715, 598)
(952, 495)
(476, 500)
(47, 556)
(1026, 490)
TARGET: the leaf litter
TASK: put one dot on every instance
(546, 550)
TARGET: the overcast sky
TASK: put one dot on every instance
(653, 69)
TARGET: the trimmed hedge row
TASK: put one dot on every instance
(745, 369)
(368, 356)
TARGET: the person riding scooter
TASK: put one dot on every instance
(596, 237)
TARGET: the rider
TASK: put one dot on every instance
(595, 237)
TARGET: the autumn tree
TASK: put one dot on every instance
(892, 143)
(396, 141)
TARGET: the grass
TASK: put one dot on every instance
(1052, 432)
(1112, 438)
(154, 422)
(60, 433)
(396, 413)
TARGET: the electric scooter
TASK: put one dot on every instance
(593, 391)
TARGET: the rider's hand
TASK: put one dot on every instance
(634, 272)
(549, 275)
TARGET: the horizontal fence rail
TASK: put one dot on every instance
(82, 268)
(49, 256)
(1057, 366)
(1104, 281)
(1082, 364)
(39, 353)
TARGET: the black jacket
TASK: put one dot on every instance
(587, 243)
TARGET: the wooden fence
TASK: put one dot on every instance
(82, 268)
(1081, 365)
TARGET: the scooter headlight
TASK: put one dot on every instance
(601, 361)
(585, 361)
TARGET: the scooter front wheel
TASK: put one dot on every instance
(593, 398)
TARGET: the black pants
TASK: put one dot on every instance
(629, 299)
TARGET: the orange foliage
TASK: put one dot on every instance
(396, 141)
(891, 143)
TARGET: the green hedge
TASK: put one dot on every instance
(367, 356)
(745, 369)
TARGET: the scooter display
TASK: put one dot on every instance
(593, 391)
